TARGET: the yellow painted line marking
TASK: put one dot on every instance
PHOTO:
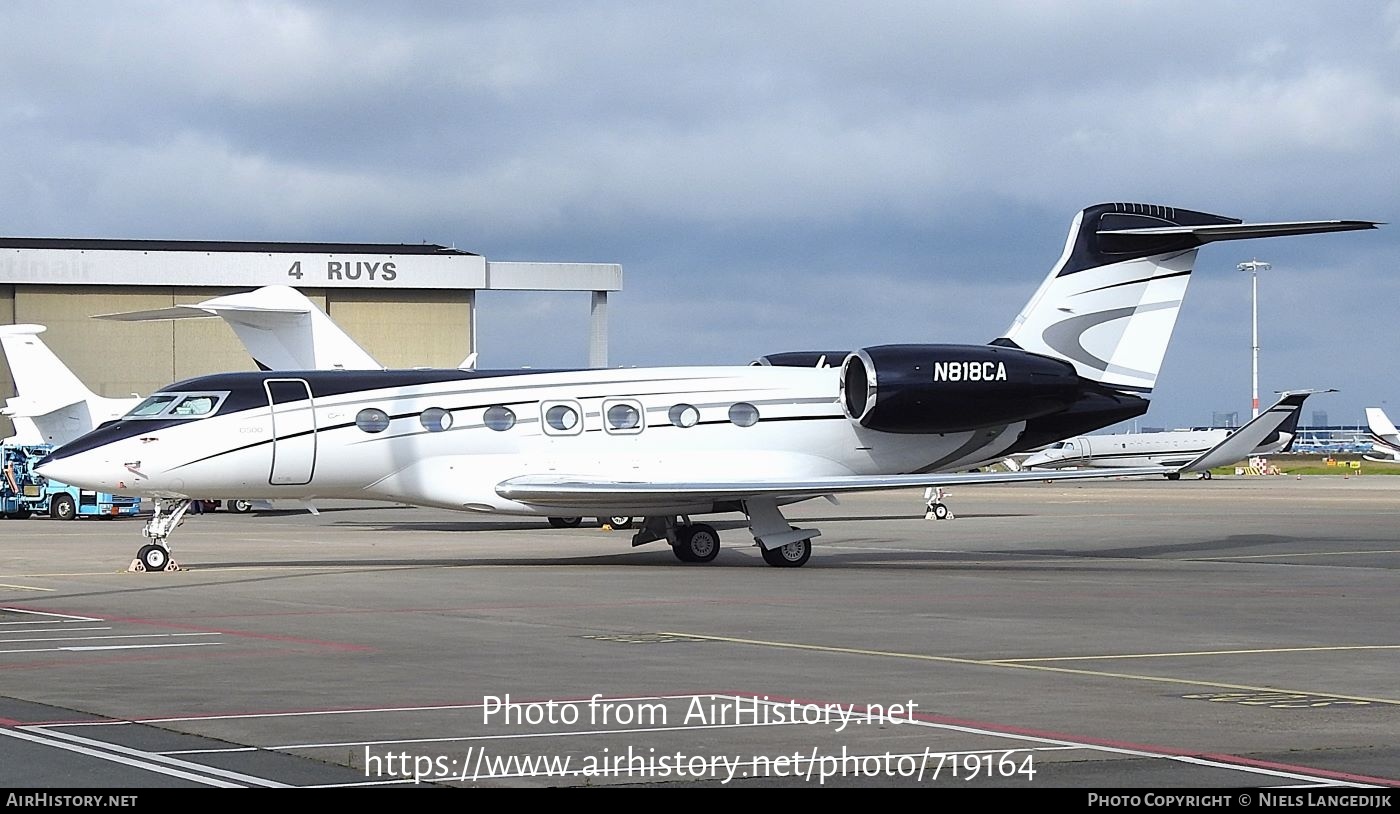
(856, 651)
(1300, 554)
(25, 587)
(1200, 653)
(206, 568)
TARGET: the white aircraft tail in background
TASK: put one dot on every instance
(52, 406)
(280, 327)
(1385, 439)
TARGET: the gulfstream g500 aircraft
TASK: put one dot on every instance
(669, 443)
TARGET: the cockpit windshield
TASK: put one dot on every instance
(152, 406)
(178, 405)
(195, 405)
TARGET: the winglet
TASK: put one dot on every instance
(1239, 444)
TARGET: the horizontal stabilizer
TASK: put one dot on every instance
(25, 407)
(188, 312)
(1209, 233)
(1241, 443)
(22, 330)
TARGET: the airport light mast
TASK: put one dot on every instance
(1254, 267)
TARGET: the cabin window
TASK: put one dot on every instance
(372, 419)
(561, 418)
(498, 418)
(435, 419)
(623, 417)
(743, 414)
(684, 415)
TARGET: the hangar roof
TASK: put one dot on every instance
(107, 244)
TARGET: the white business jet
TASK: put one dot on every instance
(1168, 450)
(669, 443)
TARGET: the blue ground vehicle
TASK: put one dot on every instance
(24, 492)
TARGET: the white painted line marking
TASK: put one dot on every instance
(91, 638)
(160, 759)
(50, 629)
(104, 647)
(150, 767)
(60, 616)
(372, 710)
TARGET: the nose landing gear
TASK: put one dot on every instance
(155, 555)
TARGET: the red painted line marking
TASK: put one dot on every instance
(1268, 764)
(1166, 751)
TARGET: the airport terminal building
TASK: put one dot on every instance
(408, 305)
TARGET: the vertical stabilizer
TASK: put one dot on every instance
(1385, 439)
(52, 405)
(1111, 302)
(280, 328)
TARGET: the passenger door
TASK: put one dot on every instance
(293, 431)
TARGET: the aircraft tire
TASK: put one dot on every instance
(239, 506)
(792, 555)
(153, 557)
(616, 522)
(697, 543)
(1173, 476)
(566, 522)
(940, 511)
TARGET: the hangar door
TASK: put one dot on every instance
(293, 431)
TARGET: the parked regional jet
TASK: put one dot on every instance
(1169, 450)
(669, 443)
(1385, 439)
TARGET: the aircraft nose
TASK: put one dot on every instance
(1035, 460)
(62, 470)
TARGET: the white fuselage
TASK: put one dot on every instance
(331, 447)
(1166, 449)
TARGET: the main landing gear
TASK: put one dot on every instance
(782, 545)
(155, 555)
(615, 522)
(934, 507)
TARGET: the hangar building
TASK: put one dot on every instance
(408, 305)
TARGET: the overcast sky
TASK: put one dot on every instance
(772, 176)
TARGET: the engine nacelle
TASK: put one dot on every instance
(952, 388)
